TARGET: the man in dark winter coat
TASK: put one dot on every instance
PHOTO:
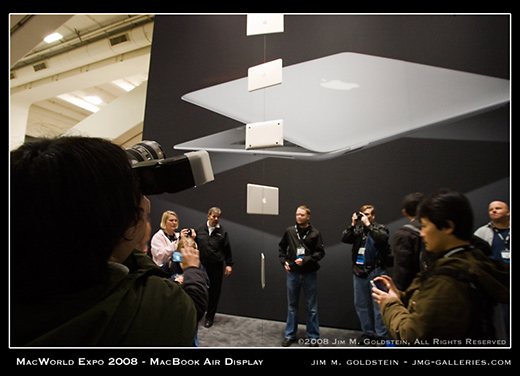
(300, 250)
(215, 254)
(370, 247)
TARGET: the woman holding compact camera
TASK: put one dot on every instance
(165, 242)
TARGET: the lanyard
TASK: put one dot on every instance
(307, 230)
(171, 238)
(506, 240)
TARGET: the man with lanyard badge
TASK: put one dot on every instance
(497, 234)
(300, 250)
(497, 231)
(369, 241)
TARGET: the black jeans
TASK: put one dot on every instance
(215, 272)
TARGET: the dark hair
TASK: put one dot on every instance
(72, 199)
(447, 205)
(411, 203)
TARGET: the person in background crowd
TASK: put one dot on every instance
(215, 251)
(450, 303)
(407, 244)
(300, 250)
(369, 241)
(497, 234)
(91, 287)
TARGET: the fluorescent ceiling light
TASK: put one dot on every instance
(124, 84)
(79, 102)
(93, 99)
(53, 37)
(131, 82)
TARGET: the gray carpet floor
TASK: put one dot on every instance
(236, 331)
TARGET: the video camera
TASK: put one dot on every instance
(158, 174)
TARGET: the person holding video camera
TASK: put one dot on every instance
(90, 287)
(370, 247)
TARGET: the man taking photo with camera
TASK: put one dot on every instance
(369, 241)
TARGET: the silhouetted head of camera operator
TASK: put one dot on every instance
(75, 204)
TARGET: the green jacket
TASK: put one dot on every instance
(135, 307)
(447, 304)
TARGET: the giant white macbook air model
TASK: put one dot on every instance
(343, 102)
(233, 141)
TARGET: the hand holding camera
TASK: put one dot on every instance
(360, 216)
(188, 232)
(383, 287)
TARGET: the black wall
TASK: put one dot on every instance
(472, 156)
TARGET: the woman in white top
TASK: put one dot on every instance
(165, 241)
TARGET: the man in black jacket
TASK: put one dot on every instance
(215, 250)
(370, 247)
(300, 250)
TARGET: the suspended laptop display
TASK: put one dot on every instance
(344, 102)
(262, 199)
(264, 23)
(265, 75)
(264, 134)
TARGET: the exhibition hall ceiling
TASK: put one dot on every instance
(84, 43)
